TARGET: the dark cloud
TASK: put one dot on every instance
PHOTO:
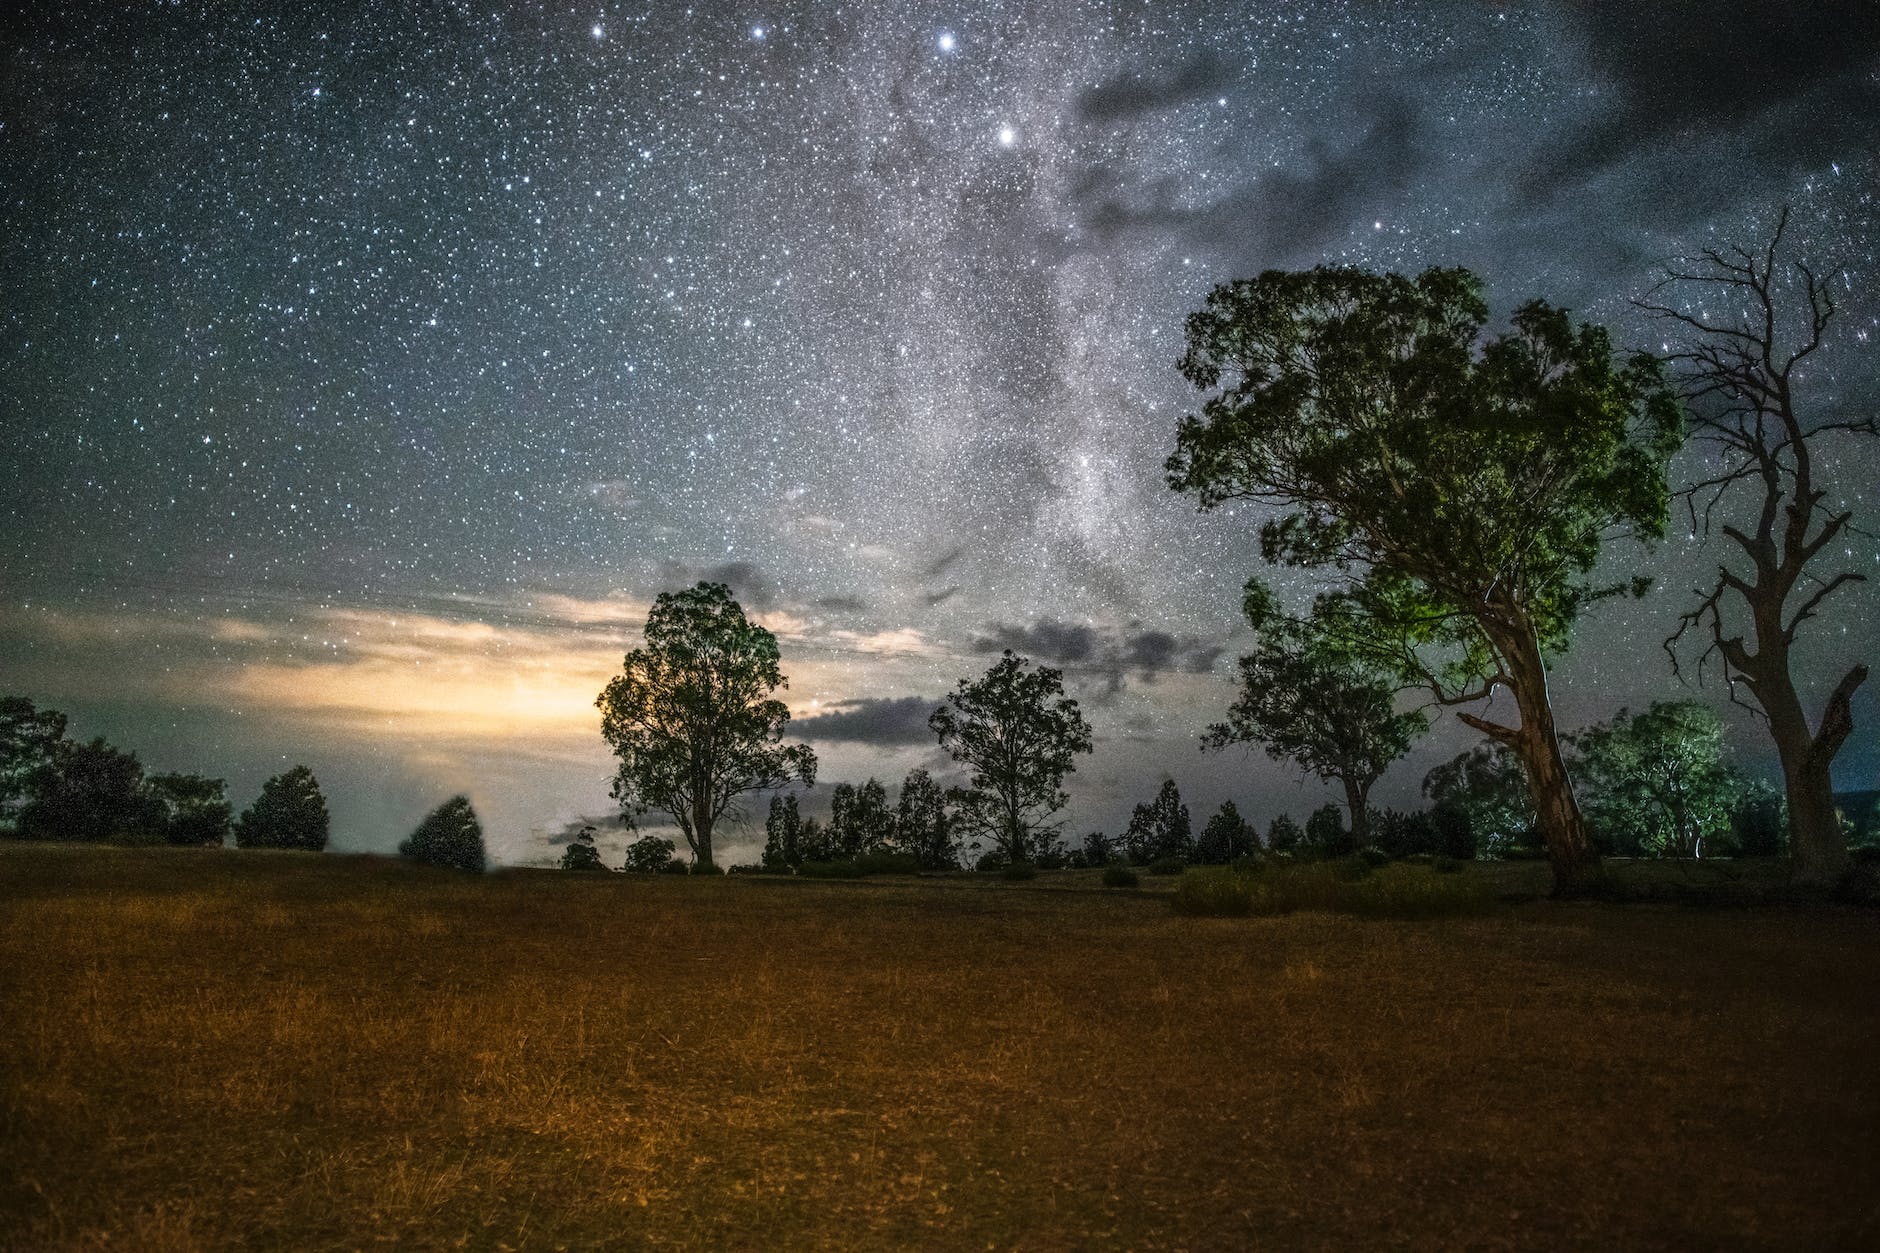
(1136, 93)
(841, 604)
(1792, 83)
(1284, 215)
(754, 587)
(941, 564)
(941, 597)
(872, 720)
(1113, 654)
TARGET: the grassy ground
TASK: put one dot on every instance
(202, 1048)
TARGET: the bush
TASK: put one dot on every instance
(1216, 892)
(450, 836)
(991, 861)
(1414, 892)
(675, 866)
(1019, 871)
(883, 862)
(1116, 875)
(1442, 864)
(1373, 856)
(829, 870)
(1249, 863)
(289, 813)
(1167, 865)
(649, 855)
(707, 868)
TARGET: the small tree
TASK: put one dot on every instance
(1019, 735)
(693, 719)
(1486, 788)
(1750, 321)
(859, 819)
(1656, 781)
(1284, 835)
(817, 843)
(648, 855)
(90, 792)
(581, 853)
(1225, 837)
(923, 828)
(450, 836)
(1306, 697)
(1760, 825)
(1099, 849)
(1160, 828)
(29, 740)
(289, 813)
(783, 833)
(1326, 833)
(1466, 484)
(192, 809)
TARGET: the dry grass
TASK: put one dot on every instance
(212, 1049)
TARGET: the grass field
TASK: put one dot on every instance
(277, 1050)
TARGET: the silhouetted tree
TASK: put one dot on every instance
(1099, 849)
(1326, 833)
(1749, 320)
(1019, 735)
(817, 842)
(581, 853)
(450, 836)
(1306, 697)
(29, 738)
(191, 809)
(859, 818)
(1454, 830)
(922, 826)
(1160, 828)
(1656, 782)
(783, 831)
(1284, 835)
(90, 792)
(692, 717)
(648, 855)
(1760, 824)
(1405, 834)
(1225, 837)
(1466, 484)
(1486, 785)
(289, 813)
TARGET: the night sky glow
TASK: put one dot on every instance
(365, 373)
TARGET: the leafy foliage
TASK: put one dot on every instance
(1466, 483)
(1225, 837)
(581, 854)
(1284, 835)
(1308, 696)
(783, 834)
(859, 819)
(450, 836)
(191, 809)
(1019, 735)
(90, 792)
(692, 717)
(922, 825)
(1160, 829)
(1656, 782)
(649, 855)
(1486, 788)
(29, 739)
(1326, 832)
(289, 813)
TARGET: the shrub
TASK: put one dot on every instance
(710, 867)
(1249, 863)
(829, 870)
(1052, 857)
(1350, 869)
(1216, 892)
(1167, 865)
(289, 813)
(1442, 864)
(675, 865)
(1117, 875)
(1414, 892)
(649, 855)
(1373, 856)
(884, 862)
(1019, 871)
(989, 862)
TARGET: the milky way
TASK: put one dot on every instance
(367, 372)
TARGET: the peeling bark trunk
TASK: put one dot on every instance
(1356, 800)
(1818, 854)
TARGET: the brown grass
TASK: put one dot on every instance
(215, 1049)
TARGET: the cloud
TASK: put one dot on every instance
(1286, 214)
(1130, 95)
(940, 565)
(941, 597)
(872, 720)
(1798, 78)
(841, 604)
(750, 583)
(1113, 653)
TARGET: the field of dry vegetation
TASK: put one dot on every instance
(281, 1050)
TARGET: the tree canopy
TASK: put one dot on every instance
(1160, 828)
(289, 813)
(1464, 484)
(450, 836)
(1019, 735)
(693, 719)
(1656, 781)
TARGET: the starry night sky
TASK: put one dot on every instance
(364, 374)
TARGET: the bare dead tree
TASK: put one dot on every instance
(1745, 334)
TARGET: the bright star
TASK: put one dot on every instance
(757, 32)
(598, 31)
(946, 41)
(1007, 137)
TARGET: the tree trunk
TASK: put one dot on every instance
(702, 836)
(1817, 847)
(1537, 744)
(1356, 801)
